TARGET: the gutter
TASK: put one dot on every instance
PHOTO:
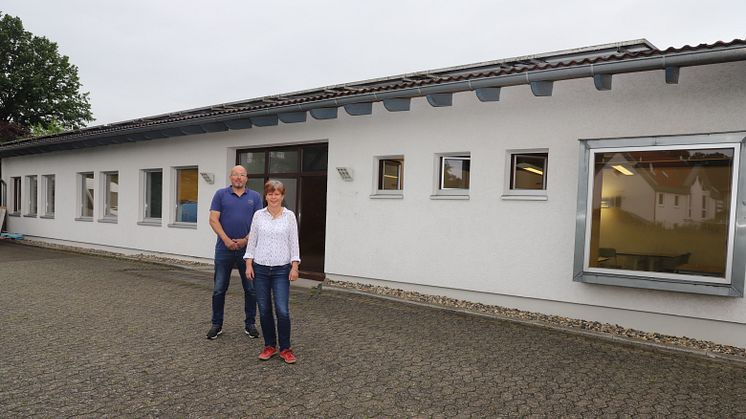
(669, 62)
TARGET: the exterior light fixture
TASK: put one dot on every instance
(208, 177)
(345, 173)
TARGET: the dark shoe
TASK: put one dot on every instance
(267, 353)
(251, 331)
(214, 332)
(287, 355)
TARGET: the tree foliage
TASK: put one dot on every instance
(39, 88)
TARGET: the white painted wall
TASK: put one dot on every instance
(517, 252)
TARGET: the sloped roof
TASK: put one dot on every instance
(595, 60)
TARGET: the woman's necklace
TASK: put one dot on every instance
(274, 212)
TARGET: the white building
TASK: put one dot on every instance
(528, 183)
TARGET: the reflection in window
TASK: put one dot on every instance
(390, 176)
(632, 228)
(16, 194)
(48, 195)
(86, 193)
(186, 195)
(528, 171)
(253, 162)
(283, 161)
(32, 194)
(111, 194)
(153, 194)
(454, 172)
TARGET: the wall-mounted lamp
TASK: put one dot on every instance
(208, 177)
(345, 173)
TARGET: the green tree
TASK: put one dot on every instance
(39, 88)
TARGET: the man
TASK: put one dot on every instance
(231, 212)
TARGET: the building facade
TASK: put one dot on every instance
(603, 183)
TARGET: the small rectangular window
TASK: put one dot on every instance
(454, 172)
(389, 177)
(86, 195)
(111, 195)
(676, 201)
(48, 195)
(16, 195)
(33, 194)
(153, 195)
(528, 171)
(186, 195)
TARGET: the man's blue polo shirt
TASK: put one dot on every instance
(236, 212)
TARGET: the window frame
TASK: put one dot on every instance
(378, 163)
(441, 192)
(17, 182)
(32, 195)
(524, 194)
(106, 215)
(733, 283)
(174, 198)
(45, 195)
(81, 198)
(145, 201)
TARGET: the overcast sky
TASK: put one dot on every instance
(147, 57)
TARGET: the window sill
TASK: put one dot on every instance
(86, 219)
(450, 197)
(30, 215)
(48, 217)
(509, 197)
(192, 226)
(153, 223)
(387, 196)
(107, 220)
(14, 214)
(722, 290)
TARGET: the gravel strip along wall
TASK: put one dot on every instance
(548, 320)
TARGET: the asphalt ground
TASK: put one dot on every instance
(90, 336)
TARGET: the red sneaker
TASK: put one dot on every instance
(288, 356)
(267, 353)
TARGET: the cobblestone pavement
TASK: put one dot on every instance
(88, 336)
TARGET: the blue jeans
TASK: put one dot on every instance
(273, 285)
(225, 261)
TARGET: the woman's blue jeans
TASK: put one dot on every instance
(225, 261)
(272, 285)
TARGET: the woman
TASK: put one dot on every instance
(272, 259)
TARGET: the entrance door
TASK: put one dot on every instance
(303, 171)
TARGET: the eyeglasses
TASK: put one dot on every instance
(232, 175)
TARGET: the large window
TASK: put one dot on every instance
(16, 181)
(86, 196)
(153, 195)
(662, 214)
(186, 195)
(111, 195)
(48, 195)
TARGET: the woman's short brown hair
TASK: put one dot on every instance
(274, 185)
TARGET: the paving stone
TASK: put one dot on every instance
(91, 336)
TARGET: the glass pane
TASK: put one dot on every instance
(639, 224)
(528, 171)
(283, 161)
(49, 195)
(455, 173)
(112, 195)
(153, 194)
(256, 184)
(186, 195)
(315, 159)
(390, 175)
(32, 194)
(253, 162)
(291, 193)
(16, 194)
(87, 194)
